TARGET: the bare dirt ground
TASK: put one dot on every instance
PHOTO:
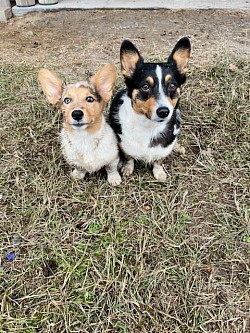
(72, 40)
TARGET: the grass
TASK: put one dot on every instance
(143, 257)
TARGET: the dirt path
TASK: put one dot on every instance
(72, 40)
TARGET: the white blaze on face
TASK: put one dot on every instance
(162, 100)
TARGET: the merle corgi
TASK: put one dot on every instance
(87, 140)
(145, 116)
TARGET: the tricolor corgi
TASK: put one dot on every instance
(87, 140)
(145, 116)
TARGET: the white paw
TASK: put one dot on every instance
(159, 173)
(114, 179)
(128, 168)
(180, 149)
(78, 174)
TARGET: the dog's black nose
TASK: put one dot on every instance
(77, 114)
(162, 112)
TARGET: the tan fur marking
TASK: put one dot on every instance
(104, 81)
(175, 100)
(143, 107)
(150, 81)
(181, 56)
(168, 78)
(51, 84)
(96, 126)
(128, 62)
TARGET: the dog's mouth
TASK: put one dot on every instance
(79, 124)
(160, 120)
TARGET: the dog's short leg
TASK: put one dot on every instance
(114, 177)
(78, 174)
(158, 171)
(128, 166)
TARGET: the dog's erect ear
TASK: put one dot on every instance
(130, 58)
(181, 54)
(51, 84)
(104, 81)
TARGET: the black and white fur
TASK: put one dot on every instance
(145, 116)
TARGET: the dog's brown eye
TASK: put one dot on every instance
(67, 100)
(90, 99)
(172, 87)
(145, 87)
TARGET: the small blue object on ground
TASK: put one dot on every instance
(10, 256)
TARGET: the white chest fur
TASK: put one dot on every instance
(137, 134)
(89, 151)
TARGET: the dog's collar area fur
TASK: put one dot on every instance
(170, 132)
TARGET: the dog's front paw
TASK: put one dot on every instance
(78, 174)
(180, 149)
(128, 168)
(114, 179)
(159, 173)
